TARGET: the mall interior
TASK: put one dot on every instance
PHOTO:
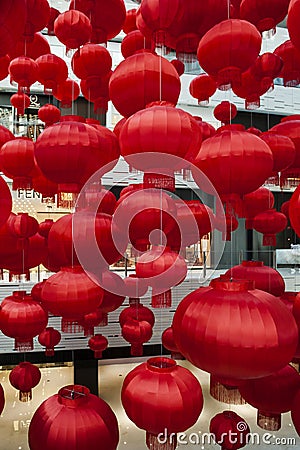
(149, 224)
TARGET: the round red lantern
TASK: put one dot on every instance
(95, 90)
(251, 89)
(4, 63)
(37, 47)
(137, 333)
(162, 269)
(207, 129)
(265, 15)
(230, 431)
(282, 148)
(66, 92)
(90, 321)
(98, 343)
(290, 56)
(36, 291)
(24, 377)
(49, 338)
(71, 293)
(135, 288)
(260, 343)
(179, 66)
(220, 56)
(168, 342)
(202, 88)
(73, 417)
(22, 226)
(267, 67)
(24, 72)
(52, 70)
(73, 29)
(5, 202)
(134, 42)
(54, 13)
(91, 60)
(113, 295)
(269, 223)
(141, 79)
(20, 102)
(254, 203)
(12, 23)
(137, 312)
(272, 396)
(285, 209)
(225, 112)
(49, 114)
(265, 278)
(22, 318)
(130, 22)
(2, 399)
(17, 162)
(146, 395)
(38, 13)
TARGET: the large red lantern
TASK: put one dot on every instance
(141, 79)
(20, 102)
(73, 417)
(71, 293)
(17, 162)
(162, 269)
(49, 338)
(5, 202)
(269, 223)
(260, 343)
(91, 60)
(221, 57)
(264, 14)
(230, 431)
(272, 396)
(98, 343)
(137, 333)
(290, 56)
(265, 278)
(24, 72)
(37, 16)
(52, 71)
(202, 88)
(24, 377)
(73, 29)
(22, 318)
(146, 395)
(34, 49)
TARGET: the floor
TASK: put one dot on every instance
(16, 416)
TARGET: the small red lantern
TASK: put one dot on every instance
(254, 203)
(146, 394)
(91, 60)
(137, 333)
(73, 29)
(22, 318)
(137, 311)
(17, 162)
(168, 342)
(230, 430)
(225, 112)
(24, 377)
(134, 42)
(90, 321)
(20, 102)
(73, 417)
(290, 56)
(179, 66)
(52, 71)
(269, 223)
(202, 88)
(282, 148)
(130, 21)
(98, 343)
(24, 72)
(114, 294)
(49, 114)
(267, 67)
(272, 396)
(49, 338)
(66, 92)
(22, 226)
(251, 89)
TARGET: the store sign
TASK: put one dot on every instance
(28, 193)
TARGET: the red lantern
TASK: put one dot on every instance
(22, 318)
(5, 135)
(254, 203)
(141, 79)
(130, 22)
(24, 72)
(114, 294)
(290, 56)
(202, 88)
(272, 396)
(73, 29)
(52, 71)
(49, 338)
(17, 162)
(179, 66)
(71, 293)
(231, 224)
(264, 14)
(49, 114)
(221, 57)
(23, 227)
(229, 430)
(4, 63)
(162, 269)
(225, 112)
(248, 161)
(134, 42)
(283, 150)
(54, 13)
(12, 23)
(2, 399)
(146, 395)
(20, 102)
(66, 92)
(260, 343)
(168, 342)
(73, 417)
(91, 60)
(254, 130)
(24, 377)
(38, 13)
(98, 344)
(34, 49)
(137, 333)
(135, 288)
(5, 202)
(267, 67)
(285, 209)
(90, 321)
(206, 129)
(251, 89)
(265, 278)
(95, 90)
(137, 312)
(269, 223)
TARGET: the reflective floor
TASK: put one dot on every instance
(16, 416)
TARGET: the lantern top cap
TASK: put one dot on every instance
(161, 364)
(252, 263)
(225, 283)
(73, 395)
